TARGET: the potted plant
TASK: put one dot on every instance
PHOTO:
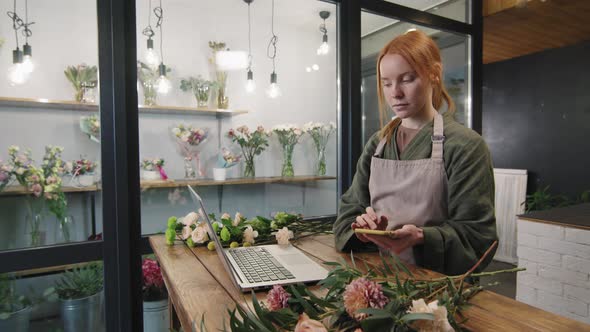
(152, 169)
(82, 171)
(200, 87)
(80, 293)
(156, 317)
(15, 310)
(83, 78)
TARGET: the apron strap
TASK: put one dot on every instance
(437, 137)
(379, 149)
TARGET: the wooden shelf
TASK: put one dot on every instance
(145, 185)
(83, 107)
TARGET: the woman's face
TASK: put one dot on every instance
(406, 93)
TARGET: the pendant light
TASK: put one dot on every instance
(152, 59)
(250, 84)
(324, 47)
(19, 73)
(163, 83)
(28, 64)
(273, 90)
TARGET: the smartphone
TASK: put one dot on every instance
(391, 234)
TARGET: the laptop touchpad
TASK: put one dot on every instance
(294, 259)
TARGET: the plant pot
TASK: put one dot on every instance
(150, 175)
(219, 174)
(83, 314)
(17, 321)
(85, 180)
(156, 317)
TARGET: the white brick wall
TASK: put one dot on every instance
(557, 259)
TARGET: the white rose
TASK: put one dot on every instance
(20, 171)
(249, 235)
(237, 219)
(199, 235)
(226, 216)
(283, 235)
(190, 219)
(186, 232)
(176, 131)
(440, 322)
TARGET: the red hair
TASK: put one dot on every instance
(423, 55)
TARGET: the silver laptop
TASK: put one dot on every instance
(262, 266)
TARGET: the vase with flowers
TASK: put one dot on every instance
(221, 76)
(83, 78)
(200, 88)
(90, 125)
(189, 141)
(155, 297)
(251, 143)
(288, 136)
(82, 172)
(320, 133)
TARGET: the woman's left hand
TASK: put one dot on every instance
(405, 237)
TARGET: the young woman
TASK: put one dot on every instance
(423, 175)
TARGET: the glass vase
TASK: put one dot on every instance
(189, 170)
(88, 93)
(287, 169)
(202, 95)
(321, 167)
(34, 221)
(149, 93)
(222, 99)
(249, 171)
(64, 229)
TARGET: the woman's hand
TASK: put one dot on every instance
(369, 220)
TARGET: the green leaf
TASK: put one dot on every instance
(417, 316)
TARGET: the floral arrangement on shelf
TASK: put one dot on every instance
(320, 133)
(189, 140)
(90, 125)
(80, 167)
(5, 174)
(153, 288)
(288, 136)
(155, 165)
(251, 143)
(148, 78)
(200, 88)
(82, 77)
(227, 158)
(379, 296)
(221, 76)
(241, 231)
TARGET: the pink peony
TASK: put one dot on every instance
(362, 293)
(152, 275)
(306, 324)
(277, 298)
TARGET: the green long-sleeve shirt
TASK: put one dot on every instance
(456, 245)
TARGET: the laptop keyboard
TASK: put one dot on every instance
(258, 265)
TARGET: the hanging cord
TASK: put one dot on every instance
(26, 31)
(323, 28)
(148, 31)
(273, 40)
(18, 23)
(249, 41)
(159, 12)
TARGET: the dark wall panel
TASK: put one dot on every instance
(536, 116)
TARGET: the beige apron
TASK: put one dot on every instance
(410, 191)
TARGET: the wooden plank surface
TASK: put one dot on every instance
(489, 311)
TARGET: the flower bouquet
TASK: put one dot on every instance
(189, 141)
(83, 79)
(199, 87)
(225, 160)
(288, 136)
(57, 204)
(90, 125)
(82, 171)
(241, 231)
(320, 133)
(153, 169)
(251, 143)
(5, 175)
(379, 296)
(153, 288)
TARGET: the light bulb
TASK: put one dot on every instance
(17, 74)
(250, 84)
(28, 64)
(164, 85)
(315, 67)
(308, 69)
(273, 91)
(324, 49)
(152, 58)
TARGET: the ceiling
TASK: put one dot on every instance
(515, 28)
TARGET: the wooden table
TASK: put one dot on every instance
(200, 287)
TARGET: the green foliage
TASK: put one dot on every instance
(543, 200)
(80, 282)
(10, 302)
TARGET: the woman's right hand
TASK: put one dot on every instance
(369, 220)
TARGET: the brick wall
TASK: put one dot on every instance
(557, 259)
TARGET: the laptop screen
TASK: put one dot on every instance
(212, 235)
